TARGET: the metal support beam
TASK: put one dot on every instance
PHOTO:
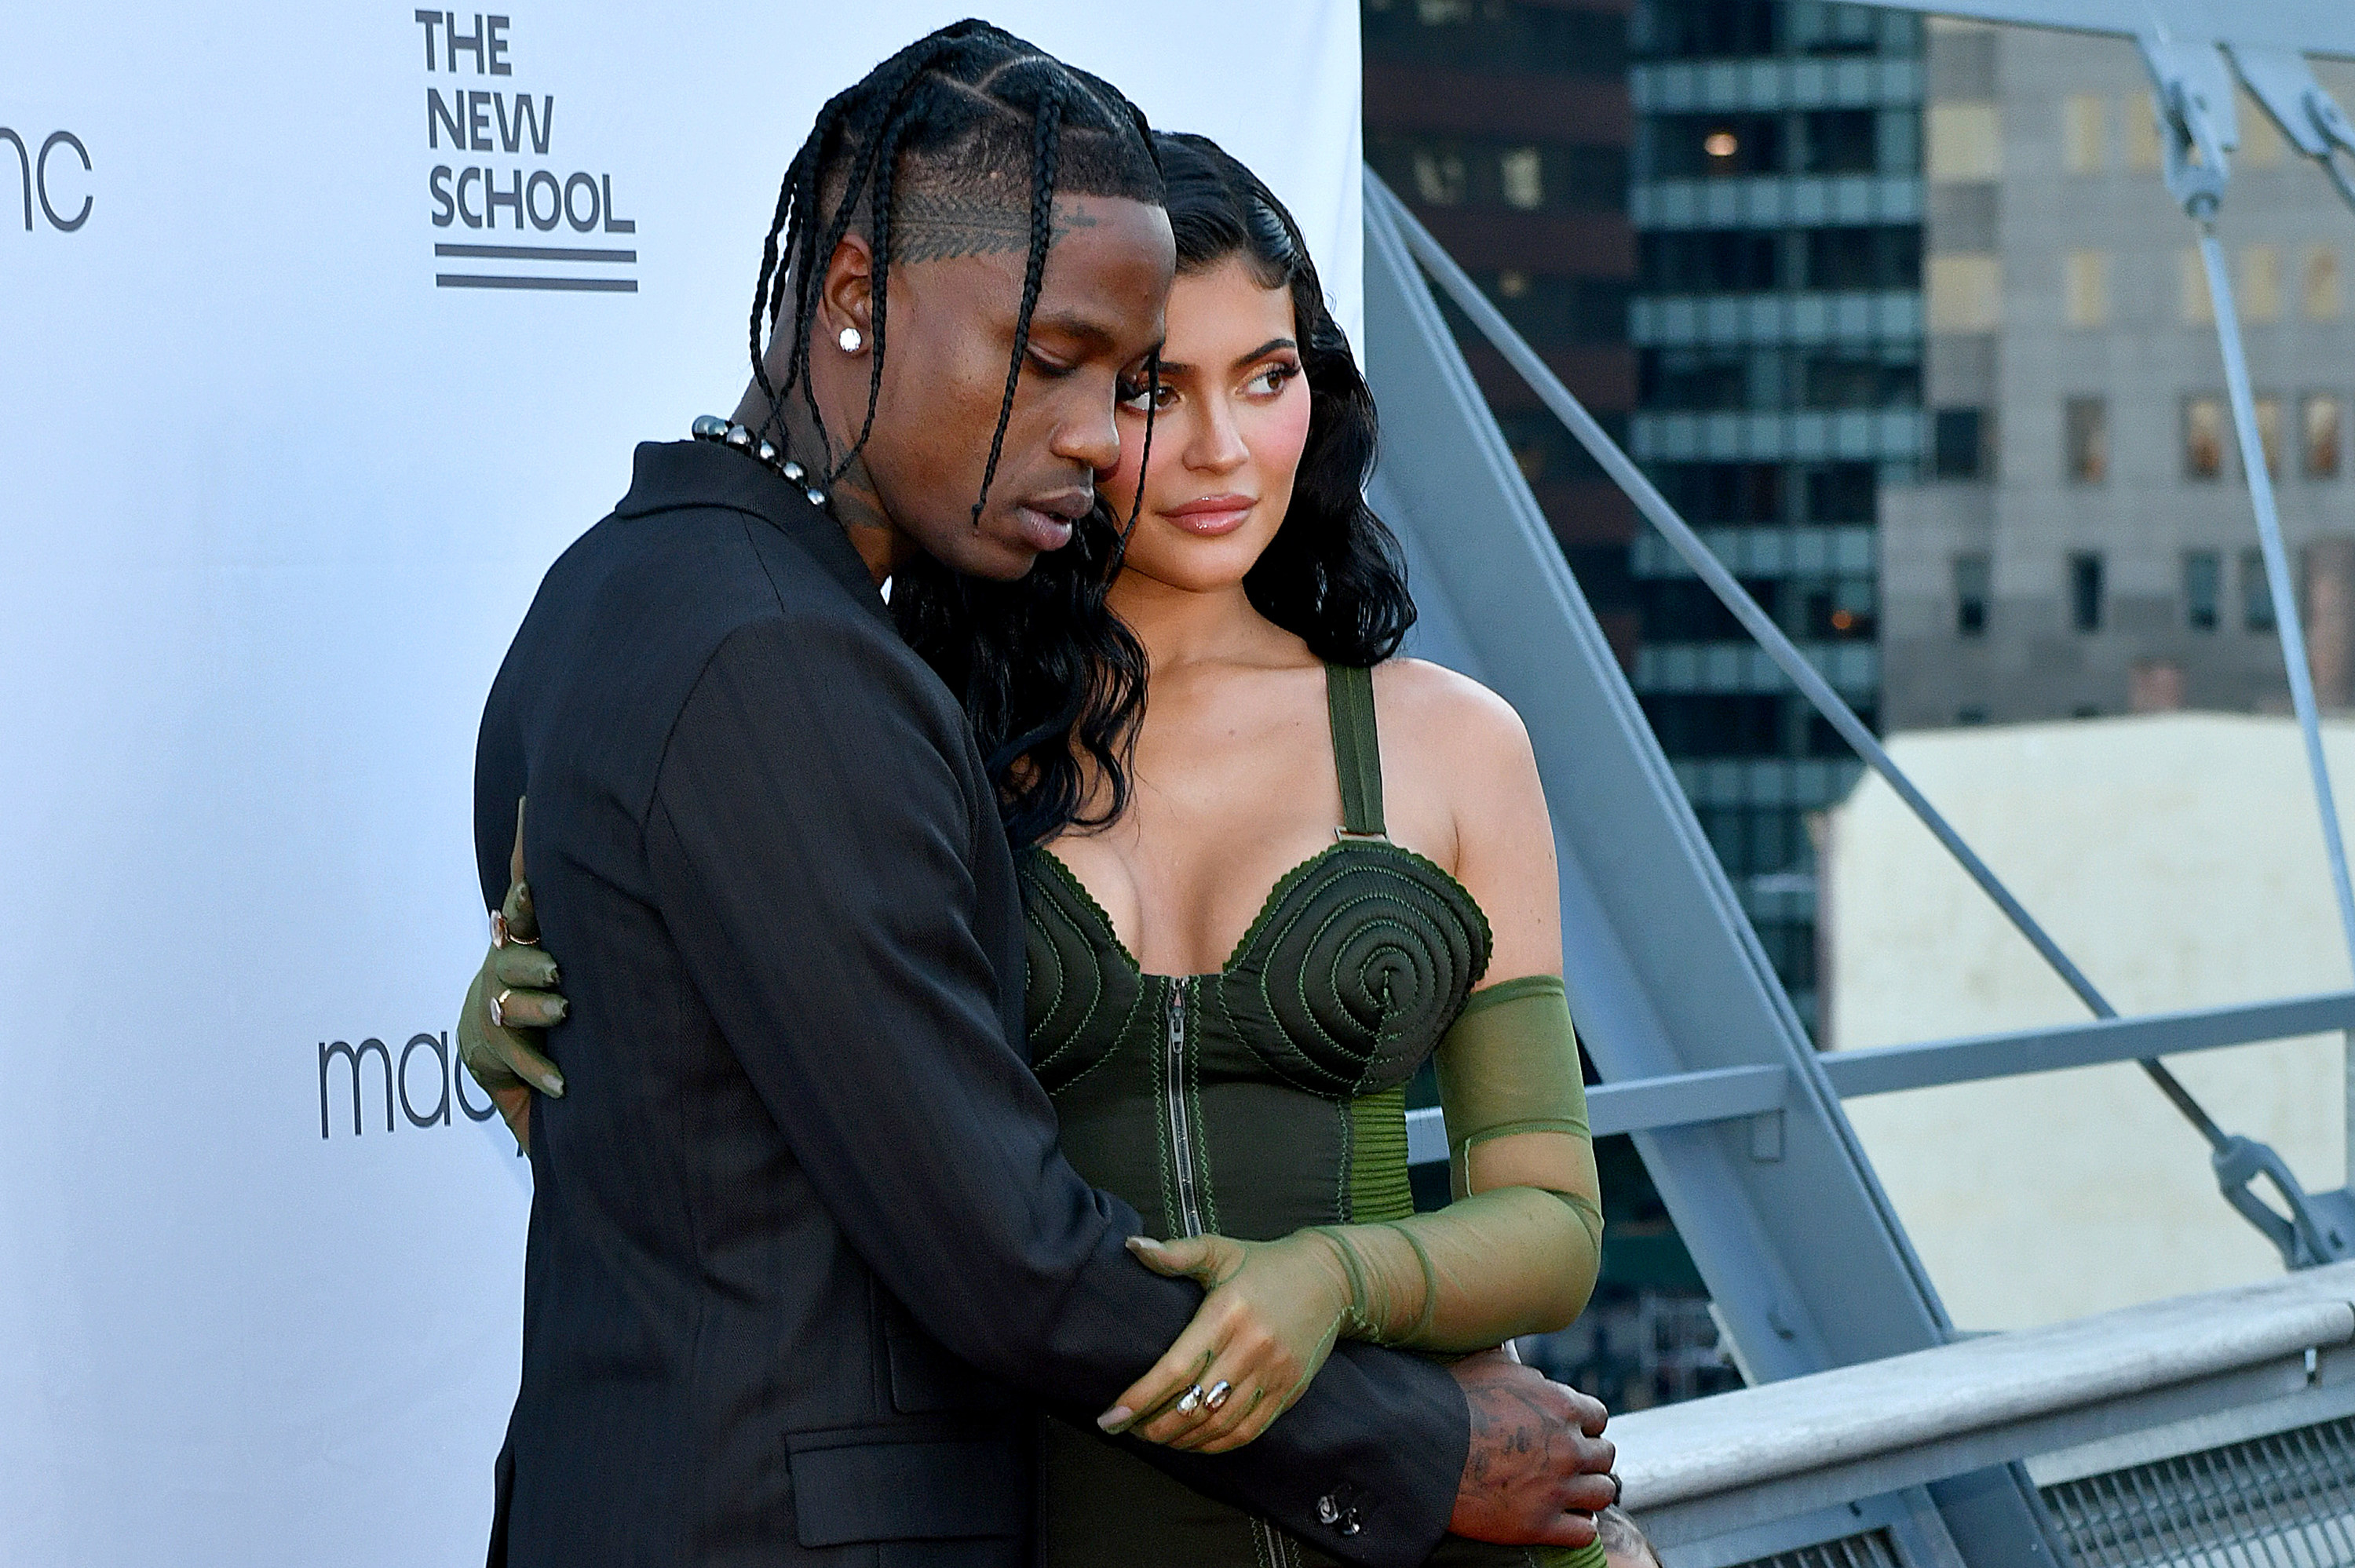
(1805, 1260)
(2235, 1160)
(1884, 1069)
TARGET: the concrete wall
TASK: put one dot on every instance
(2177, 858)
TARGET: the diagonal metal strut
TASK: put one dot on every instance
(2304, 1237)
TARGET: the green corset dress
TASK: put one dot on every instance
(1253, 1102)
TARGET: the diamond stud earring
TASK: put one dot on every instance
(850, 340)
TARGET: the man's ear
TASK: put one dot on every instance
(846, 298)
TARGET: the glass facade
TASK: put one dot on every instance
(1775, 188)
(1706, 214)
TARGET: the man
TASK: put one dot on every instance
(802, 1253)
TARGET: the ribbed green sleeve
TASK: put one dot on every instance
(1510, 1260)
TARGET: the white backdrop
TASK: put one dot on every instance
(272, 504)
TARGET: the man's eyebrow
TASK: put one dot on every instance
(1067, 323)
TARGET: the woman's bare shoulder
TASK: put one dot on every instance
(1437, 712)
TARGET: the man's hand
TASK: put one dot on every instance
(1539, 1467)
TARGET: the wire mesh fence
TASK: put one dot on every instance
(1870, 1549)
(2283, 1501)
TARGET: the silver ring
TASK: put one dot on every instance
(499, 1009)
(1190, 1401)
(1218, 1394)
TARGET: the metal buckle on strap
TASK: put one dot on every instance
(1346, 833)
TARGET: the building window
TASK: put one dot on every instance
(1842, 492)
(1965, 292)
(2085, 591)
(2204, 435)
(2142, 133)
(2203, 588)
(2085, 134)
(1439, 177)
(1711, 262)
(2317, 283)
(2318, 423)
(2261, 283)
(1885, 257)
(2269, 434)
(2085, 277)
(2192, 300)
(1973, 580)
(2256, 592)
(1839, 142)
(2085, 423)
(1712, 146)
(1522, 174)
(1966, 142)
(1958, 442)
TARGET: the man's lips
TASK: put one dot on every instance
(1045, 522)
(1212, 515)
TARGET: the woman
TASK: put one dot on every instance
(1257, 904)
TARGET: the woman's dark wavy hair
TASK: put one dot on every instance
(1333, 574)
(1053, 682)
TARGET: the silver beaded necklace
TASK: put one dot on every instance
(719, 431)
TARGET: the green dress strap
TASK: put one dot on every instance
(1357, 749)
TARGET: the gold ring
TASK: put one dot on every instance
(1218, 1394)
(499, 1009)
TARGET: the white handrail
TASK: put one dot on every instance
(1680, 1454)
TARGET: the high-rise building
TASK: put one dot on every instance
(1778, 200)
(1504, 125)
(2083, 542)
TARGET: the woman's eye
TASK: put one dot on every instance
(1271, 380)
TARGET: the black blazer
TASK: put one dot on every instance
(799, 1223)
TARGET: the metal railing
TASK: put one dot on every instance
(2216, 1428)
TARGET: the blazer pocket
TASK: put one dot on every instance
(879, 1483)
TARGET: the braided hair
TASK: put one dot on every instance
(1045, 671)
(965, 111)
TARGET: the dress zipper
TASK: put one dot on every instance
(1181, 1126)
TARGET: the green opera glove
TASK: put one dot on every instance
(1512, 1259)
(1273, 1311)
(511, 1002)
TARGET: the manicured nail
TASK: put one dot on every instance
(552, 1086)
(1118, 1416)
(1141, 1245)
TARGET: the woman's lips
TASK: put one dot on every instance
(1212, 515)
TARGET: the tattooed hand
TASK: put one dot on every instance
(1539, 1467)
